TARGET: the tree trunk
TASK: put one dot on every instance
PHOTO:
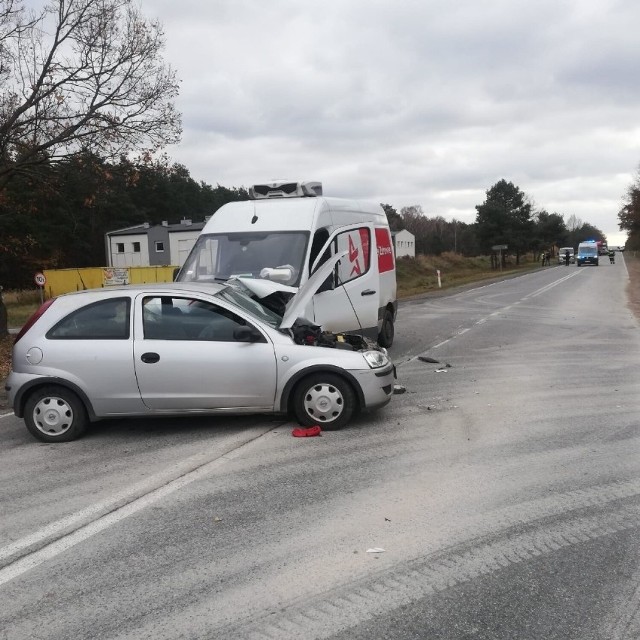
(4, 329)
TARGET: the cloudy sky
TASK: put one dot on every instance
(413, 102)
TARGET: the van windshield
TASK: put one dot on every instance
(589, 251)
(219, 256)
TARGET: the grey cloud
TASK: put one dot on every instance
(412, 102)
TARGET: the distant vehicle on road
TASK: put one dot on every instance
(587, 253)
(562, 252)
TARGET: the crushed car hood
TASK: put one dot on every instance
(296, 306)
(263, 288)
(300, 297)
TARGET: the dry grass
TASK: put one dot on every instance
(20, 305)
(419, 275)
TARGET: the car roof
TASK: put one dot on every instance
(210, 288)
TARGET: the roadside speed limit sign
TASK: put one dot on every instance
(40, 279)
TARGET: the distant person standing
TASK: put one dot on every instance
(567, 258)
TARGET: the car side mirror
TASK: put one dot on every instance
(247, 334)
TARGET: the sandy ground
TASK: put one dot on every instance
(633, 287)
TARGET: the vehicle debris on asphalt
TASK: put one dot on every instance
(306, 432)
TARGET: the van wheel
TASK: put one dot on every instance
(387, 332)
(324, 399)
(55, 414)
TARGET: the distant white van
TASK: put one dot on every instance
(285, 232)
(563, 251)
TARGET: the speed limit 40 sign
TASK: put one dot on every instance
(40, 280)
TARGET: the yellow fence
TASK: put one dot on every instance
(60, 281)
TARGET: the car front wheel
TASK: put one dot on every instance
(55, 414)
(324, 399)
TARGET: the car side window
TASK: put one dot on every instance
(104, 320)
(177, 318)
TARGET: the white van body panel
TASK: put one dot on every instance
(300, 232)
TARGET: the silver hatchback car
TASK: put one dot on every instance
(185, 349)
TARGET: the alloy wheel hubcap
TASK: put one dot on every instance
(324, 403)
(53, 416)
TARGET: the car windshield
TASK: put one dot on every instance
(251, 306)
(220, 256)
(589, 251)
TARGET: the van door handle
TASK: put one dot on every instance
(368, 292)
(150, 357)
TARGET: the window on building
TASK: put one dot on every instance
(159, 247)
(136, 247)
(120, 247)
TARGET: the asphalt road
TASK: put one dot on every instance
(503, 489)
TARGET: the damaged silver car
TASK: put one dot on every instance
(189, 349)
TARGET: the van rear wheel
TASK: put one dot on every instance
(387, 331)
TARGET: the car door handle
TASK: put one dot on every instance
(150, 357)
(368, 292)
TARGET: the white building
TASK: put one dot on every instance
(404, 244)
(148, 245)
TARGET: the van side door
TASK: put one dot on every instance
(349, 300)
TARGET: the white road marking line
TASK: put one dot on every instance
(6, 415)
(501, 310)
(57, 547)
(551, 285)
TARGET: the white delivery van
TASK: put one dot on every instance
(285, 232)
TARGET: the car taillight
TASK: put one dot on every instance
(33, 319)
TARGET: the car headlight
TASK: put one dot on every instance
(376, 359)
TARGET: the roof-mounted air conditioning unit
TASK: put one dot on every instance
(285, 189)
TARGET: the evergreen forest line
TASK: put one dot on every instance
(56, 215)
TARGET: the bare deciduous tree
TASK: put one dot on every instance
(81, 75)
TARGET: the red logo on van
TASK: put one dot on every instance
(354, 252)
(385, 250)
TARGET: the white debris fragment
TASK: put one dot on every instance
(375, 550)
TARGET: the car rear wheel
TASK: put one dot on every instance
(55, 414)
(387, 332)
(324, 399)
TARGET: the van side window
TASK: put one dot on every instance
(358, 261)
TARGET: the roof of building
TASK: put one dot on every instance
(183, 225)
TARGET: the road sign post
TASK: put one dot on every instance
(40, 280)
(499, 248)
